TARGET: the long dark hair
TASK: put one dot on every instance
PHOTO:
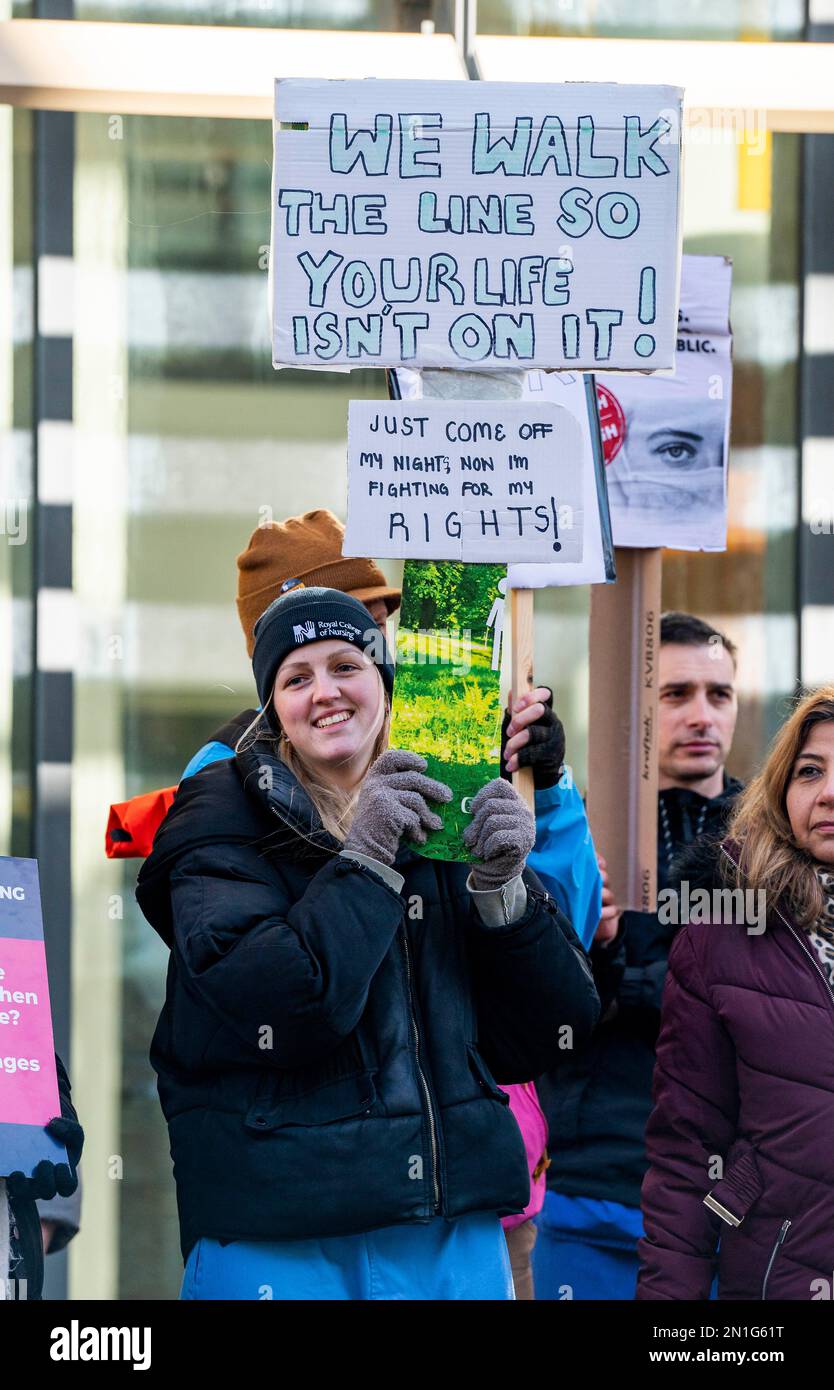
(770, 856)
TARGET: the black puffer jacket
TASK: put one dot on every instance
(598, 1104)
(328, 1048)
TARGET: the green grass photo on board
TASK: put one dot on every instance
(447, 703)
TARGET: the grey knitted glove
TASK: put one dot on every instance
(392, 803)
(501, 833)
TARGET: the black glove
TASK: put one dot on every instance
(51, 1179)
(545, 750)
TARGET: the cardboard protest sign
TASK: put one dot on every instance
(466, 480)
(666, 439)
(28, 1082)
(475, 225)
(447, 702)
(570, 391)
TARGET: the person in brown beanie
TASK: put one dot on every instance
(307, 550)
(301, 551)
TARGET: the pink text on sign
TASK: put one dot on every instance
(28, 1082)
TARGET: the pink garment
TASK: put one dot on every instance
(529, 1115)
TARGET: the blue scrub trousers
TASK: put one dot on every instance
(586, 1249)
(463, 1259)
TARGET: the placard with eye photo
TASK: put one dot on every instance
(666, 438)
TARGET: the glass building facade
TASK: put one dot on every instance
(143, 429)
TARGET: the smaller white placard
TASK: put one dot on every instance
(478, 481)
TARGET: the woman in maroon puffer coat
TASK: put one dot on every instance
(741, 1139)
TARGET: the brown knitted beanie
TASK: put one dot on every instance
(308, 548)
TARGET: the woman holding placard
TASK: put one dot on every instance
(338, 1007)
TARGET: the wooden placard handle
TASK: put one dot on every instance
(521, 620)
(622, 725)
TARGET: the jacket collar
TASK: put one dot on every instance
(276, 789)
(683, 796)
(251, 799)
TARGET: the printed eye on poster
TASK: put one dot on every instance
(475, 226)
(666, 438)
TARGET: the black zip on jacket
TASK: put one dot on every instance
(598, 1103)
(328, 1048)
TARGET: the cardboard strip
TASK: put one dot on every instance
(521, 647)
(622, 754)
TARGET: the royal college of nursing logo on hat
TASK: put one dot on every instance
(339, 628)
(304, 632)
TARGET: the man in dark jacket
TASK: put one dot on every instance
(598, 1105)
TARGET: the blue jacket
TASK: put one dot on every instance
(328, 1050)
(564, 857)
